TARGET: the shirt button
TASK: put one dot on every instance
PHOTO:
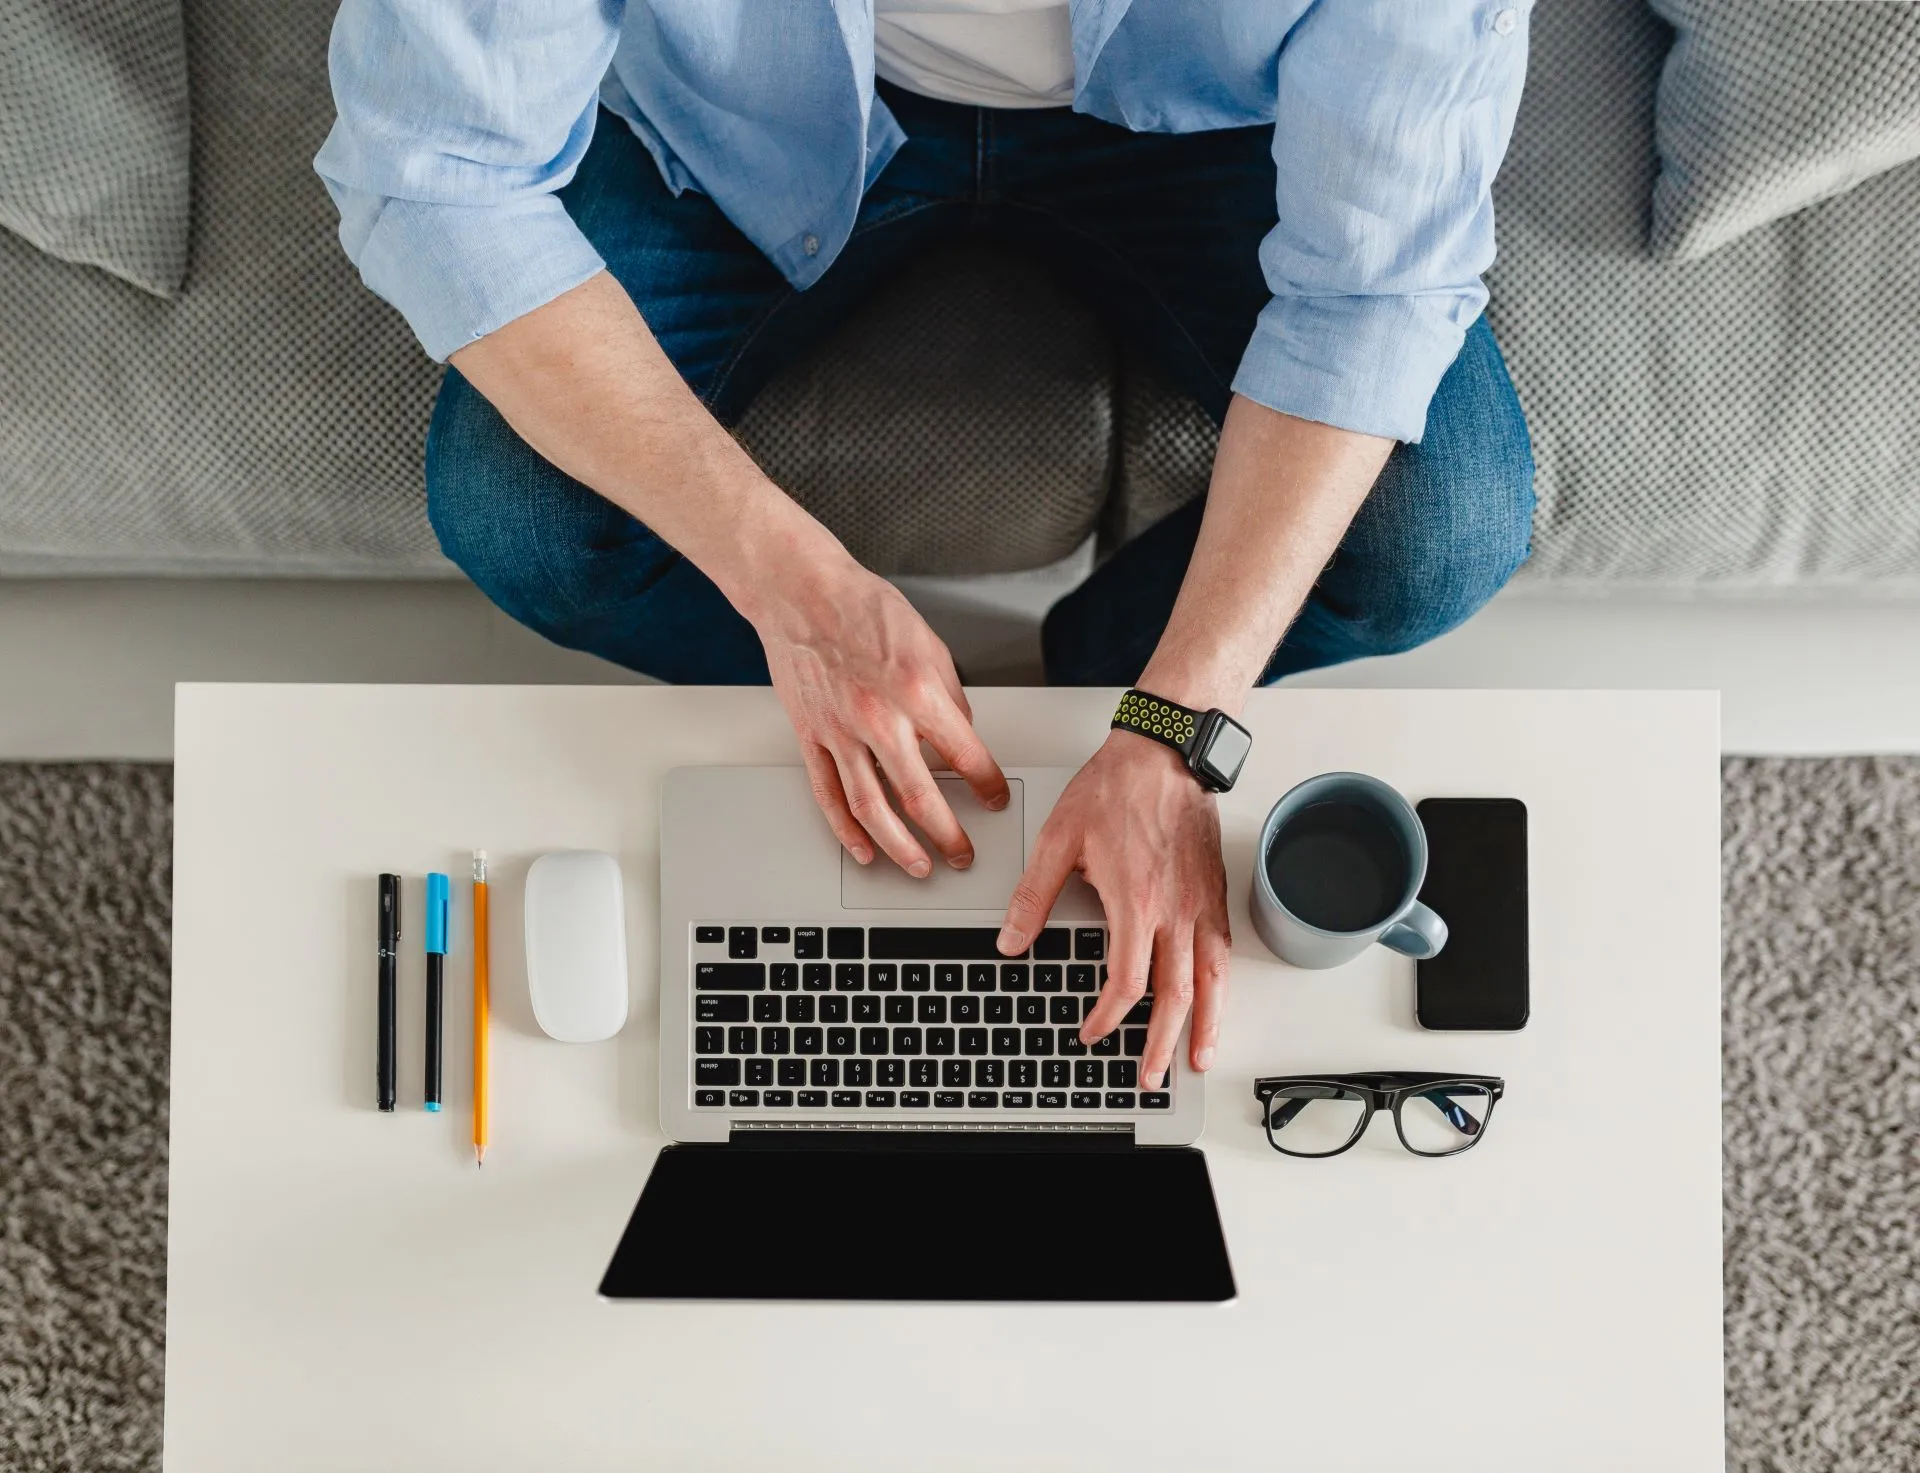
(1504, 22)
(811, 245)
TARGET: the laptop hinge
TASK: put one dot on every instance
(826, 1135)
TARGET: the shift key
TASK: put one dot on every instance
(730, 976)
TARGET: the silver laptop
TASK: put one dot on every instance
(851, 1036)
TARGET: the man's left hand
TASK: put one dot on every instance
(1147, 837)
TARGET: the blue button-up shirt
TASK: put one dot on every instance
(458, 121)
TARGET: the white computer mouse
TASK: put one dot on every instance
(577, 945)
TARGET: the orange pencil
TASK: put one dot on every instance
(480, 1005)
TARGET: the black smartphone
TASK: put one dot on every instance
(1477, 882)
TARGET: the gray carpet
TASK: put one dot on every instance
(1822, 1099)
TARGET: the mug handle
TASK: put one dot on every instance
(1418, 934)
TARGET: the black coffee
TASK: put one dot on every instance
(1338, 865)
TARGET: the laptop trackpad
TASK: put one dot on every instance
(999, 856)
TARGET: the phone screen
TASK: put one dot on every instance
(1477, 882)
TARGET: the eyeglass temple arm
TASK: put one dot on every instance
(1458, 1118)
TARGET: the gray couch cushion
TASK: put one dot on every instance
(1765, 109)
(93, 134)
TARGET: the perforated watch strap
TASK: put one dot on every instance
(1162, 720)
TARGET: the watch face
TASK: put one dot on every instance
(1224, 753)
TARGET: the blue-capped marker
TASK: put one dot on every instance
(436, 967)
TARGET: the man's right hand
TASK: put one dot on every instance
(865, 681)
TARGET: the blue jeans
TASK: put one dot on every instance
(1158, 232)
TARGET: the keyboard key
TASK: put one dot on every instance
(890, 1073)
(933, 943)
(914, 1099)
(710, 1072)
(742, 944)
(873, 1040)
(883, 977)
(1047, 979)
(1081, 979)
(840, 1041)
(905, 1041)
(800, 1009)
(956, 1073)
(1052, 945)
(1084, 1101)
(1039, 1041)
(1013, 978)
(775, 935)
(1006, 1042)
(866, 1009)
(1089, 1074)
(989, 1073)
(1133, 1041)
(767, 1009)
(834, 1010)
(857, 1073)
(879, 1099)
(1064, 1011)
(900, 1009)
(998, 1009)
(1056, 1073)
(1017, 1099)
(744, 1099)
(708, 1098)
(846, 943)
(948, 979)
(813, 1099)
(1119, 1099)
(923, 1073)
(933, 1010)
(806, 942)
(983, 1099)
(1032, 1010)
(708, 1008)
(940, 1040)
(1140, 1012)
(743, 1040)
(784, 976)
(966, 1010)
(1022, 1073)
(816, 976)
(1108, 1046)
(730, 976)
(1089, 944)
(710, 1040)
(1087, 1005)
(849, 977)
(791, 1071)
(824, 1074)
(1052, 1099)
(1122, 1074)
(973, 1041)
(846, 1099)
(1156, 1099)
(980, 979)
(809, 1041)
(916, 977)
(708, 935)
(948, 1099)
(777, 1099)
(1067, 1040)
(776, 1039)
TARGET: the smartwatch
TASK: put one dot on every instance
(1214, 745)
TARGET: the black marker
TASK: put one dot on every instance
(436, 974)
(389, 982)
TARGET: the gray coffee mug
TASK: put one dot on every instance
(1349, 855)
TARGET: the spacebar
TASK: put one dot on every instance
(933, 944)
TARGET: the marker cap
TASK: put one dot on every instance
(437, 914)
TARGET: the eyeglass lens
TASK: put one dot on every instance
(1314, 1119)
(1444, 1119)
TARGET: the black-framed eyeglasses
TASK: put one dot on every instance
(1324, 1114)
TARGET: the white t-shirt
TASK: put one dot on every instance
(984, 53)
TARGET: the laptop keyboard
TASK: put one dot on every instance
(932, 1018)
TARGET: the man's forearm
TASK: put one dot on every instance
(583, 382)
(1282, 494)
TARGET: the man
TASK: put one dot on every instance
(616, 222)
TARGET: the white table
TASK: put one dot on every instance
(346, 1292)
